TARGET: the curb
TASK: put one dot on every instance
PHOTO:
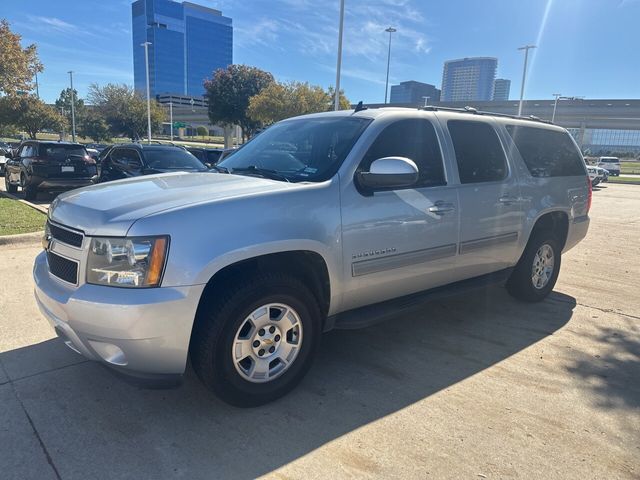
(21, 239)
(29, 204)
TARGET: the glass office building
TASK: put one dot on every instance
(603, 141)
(188, 43)
(414, 92)
(469, 79)
(501, 89)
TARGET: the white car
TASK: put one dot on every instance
(597, 175)
(612, 164)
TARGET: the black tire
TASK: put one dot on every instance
(520, 284)
(11, 188)
(30, 192)
(218, 321)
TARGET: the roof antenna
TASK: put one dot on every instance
(360, 107)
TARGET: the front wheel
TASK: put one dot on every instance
(536, 273)
(255, 341)
(11, 188)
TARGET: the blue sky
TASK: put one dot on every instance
(585, 47)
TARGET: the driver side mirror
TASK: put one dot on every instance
(389, 173)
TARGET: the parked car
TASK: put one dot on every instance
(208, 156)
(49, 166)
(331, 220)
(597, 175)
(135, 159)
(5, 153)
(612, 164)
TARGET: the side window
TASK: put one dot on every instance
(126, 158)
(478, 151)
(414, 139)
(547, 153)
(26, 151)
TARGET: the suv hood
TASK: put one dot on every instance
(111, 208)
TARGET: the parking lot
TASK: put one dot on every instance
(479, 386)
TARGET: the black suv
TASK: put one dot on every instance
(49, 166)
(132, 160)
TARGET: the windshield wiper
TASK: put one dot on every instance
(220, 169)
(263, 172)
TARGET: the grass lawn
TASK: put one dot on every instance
(16, 217)
(629, 167)
(628, 180)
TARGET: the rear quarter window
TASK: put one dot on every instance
(547, 153)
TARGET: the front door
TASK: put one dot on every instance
(491, 214)
(401, 241)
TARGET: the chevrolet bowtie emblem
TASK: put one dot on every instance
(268, 341)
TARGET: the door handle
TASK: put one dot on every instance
(508, 200)
(441, 208)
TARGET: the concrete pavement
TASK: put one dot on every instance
(476, 387)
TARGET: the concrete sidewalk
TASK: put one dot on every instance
(476, 387)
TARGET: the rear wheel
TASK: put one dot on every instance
(255, 341)
(537, 271)
(30, 192)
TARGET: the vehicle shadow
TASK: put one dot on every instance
(612, 376)
(95, 426)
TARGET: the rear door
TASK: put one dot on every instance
(491, 211)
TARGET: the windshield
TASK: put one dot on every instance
(57, 151)
(307, 149)
(609, 160)
(171, 159)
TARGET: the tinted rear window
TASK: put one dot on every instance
(171, 159)
(609, 160)
(547, 153)
(57, 151)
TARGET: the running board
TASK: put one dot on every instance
(379, 312)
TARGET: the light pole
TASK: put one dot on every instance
(73, 110)
(390, 30)
(171, 118)
(336, 99)
(526, 49)
(426, 100)
(146, 65)
(555, 106)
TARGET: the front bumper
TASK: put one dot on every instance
(142, 333)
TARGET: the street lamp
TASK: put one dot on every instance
(389, 30)
(426, 100)
(526, 49)
(171, 118)
(146, 64)
(73, 109)
(555, 106)
(336, 100)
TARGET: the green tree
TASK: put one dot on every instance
(124, 110)
(18, 65)
(94, 126)
(202, 131)
(63, 103)
(229, 92)
(32, 115)
(283, 100)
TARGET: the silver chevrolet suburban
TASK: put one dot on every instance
(332, 220)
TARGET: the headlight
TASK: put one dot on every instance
(127, 262)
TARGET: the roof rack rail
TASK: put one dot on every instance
(474, 111)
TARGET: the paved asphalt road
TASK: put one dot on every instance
(479, 386)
